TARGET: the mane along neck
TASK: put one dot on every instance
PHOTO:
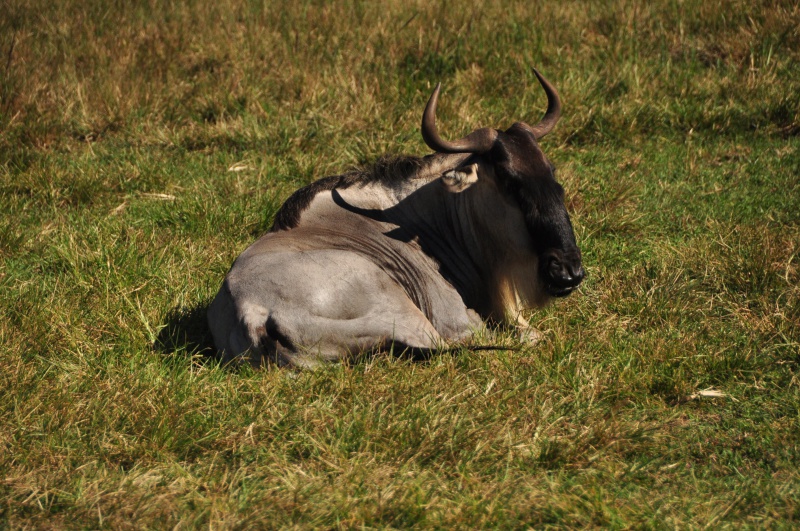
(389, 172)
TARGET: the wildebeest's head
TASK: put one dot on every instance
(523, 172)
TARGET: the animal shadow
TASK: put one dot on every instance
(186, 331)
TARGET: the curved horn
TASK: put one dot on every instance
(553, 113)
(479, 141)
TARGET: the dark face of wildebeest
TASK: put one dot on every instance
(525, 174)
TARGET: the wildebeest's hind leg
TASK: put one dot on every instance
(306, 340)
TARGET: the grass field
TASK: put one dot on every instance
(143, 145)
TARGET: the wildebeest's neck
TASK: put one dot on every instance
(425, 215)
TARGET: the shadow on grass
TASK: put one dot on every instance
(186, 332)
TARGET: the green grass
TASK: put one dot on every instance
(120, 214)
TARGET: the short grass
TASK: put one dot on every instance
(143, 145)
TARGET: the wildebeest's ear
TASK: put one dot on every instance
(459, 179)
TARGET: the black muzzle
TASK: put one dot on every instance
(562, 272)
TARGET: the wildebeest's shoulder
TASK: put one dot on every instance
(387, 171)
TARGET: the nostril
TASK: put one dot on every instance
(556, 270)
(558, 273)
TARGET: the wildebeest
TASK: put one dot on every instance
(411, 253)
